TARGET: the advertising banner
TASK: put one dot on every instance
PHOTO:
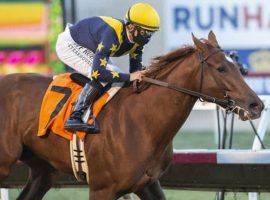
(239, 25)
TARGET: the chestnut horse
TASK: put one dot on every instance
(134, 146)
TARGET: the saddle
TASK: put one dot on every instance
(57, 106)
(59, 100)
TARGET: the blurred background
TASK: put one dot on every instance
(29, 30)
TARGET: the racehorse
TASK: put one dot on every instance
(134, 146)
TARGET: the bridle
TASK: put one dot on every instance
(227, 103)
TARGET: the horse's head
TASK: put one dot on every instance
(221, 78)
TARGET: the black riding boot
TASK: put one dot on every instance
(87, 96)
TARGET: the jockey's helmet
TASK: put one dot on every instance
(143, 15)
(145, 20)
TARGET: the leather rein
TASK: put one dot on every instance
(227, 102)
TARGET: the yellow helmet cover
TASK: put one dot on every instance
(144, 15)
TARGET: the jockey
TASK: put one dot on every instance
(88, 45)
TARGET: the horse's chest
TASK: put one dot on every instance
(156, 167)
(150, 175)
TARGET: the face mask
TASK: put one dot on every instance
(141, 36)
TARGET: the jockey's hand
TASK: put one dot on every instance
(137, 75)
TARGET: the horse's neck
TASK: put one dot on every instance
(170, 109)
(150, 120)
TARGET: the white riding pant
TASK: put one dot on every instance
(75, 56)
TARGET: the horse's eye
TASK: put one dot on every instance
(222, 69)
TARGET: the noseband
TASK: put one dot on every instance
(228, 103)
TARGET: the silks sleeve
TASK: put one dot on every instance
(135, 60)
(99, 66)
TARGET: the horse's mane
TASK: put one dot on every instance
(165, 62)
(162, 65)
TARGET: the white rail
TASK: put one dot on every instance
(4, 194)
(265, 120)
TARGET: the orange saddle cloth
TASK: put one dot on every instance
(58, 103)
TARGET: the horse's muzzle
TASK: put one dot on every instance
(255, 108)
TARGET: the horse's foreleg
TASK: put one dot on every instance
(39, 180)
(151, 192)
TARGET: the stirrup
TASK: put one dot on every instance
(84, 127)
(94, 125)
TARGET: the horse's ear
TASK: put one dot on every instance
(212, 39)
(200, 45)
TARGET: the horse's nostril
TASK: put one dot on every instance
(254, 107)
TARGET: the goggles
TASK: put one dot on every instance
(143, 32)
